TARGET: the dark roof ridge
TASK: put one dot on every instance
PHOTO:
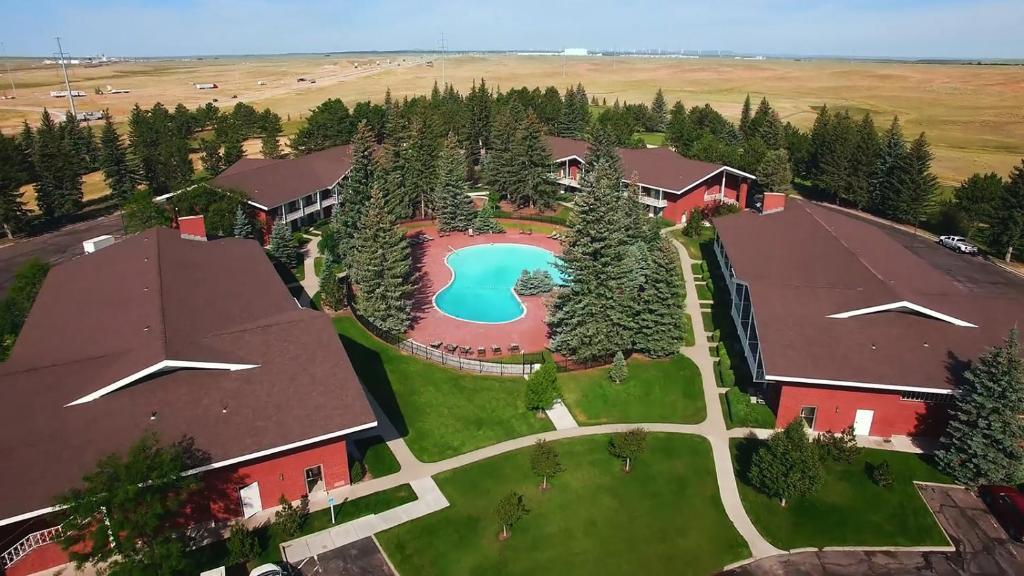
(160, 295)
(843, 243)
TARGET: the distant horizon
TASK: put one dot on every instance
(847, 29)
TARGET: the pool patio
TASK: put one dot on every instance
(431, 325)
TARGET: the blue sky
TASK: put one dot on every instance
(900, 28)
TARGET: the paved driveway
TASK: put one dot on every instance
(983, 549)
(53, 247)
(360, 558)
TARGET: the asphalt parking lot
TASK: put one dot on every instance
(360, 558)
(983, 548)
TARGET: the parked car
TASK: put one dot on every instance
(1007, 505)
(958, 244)
(271, 570)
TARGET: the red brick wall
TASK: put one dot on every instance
(43, 558)
(680, 204)
(773, 202)
(837, 408)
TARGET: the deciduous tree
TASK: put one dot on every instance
(545, 462)
(629, 445)
(511, 509)
(542, 388)
(787, 465)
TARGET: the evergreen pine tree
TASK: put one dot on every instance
(485, 221)
(862, 161)
(332, 294)
(922, 184)
(392, 169)
(479, 104)
(270, 145)
(887, 191)
(819, 138)
(453, 207)
(243, 224)
(1007, 231)
(984, 442)
(500, 163)
(659, 111)
(619, 371)
(282, 246)
(381, 269)
(532, 160)
(233, 150)
(12, 209)
(59, 186)
(27, 143)
(678, 133)
(212, 161)
(355, 193)
(977, 199)
(775, 173)
(658, 312)
(421, 167)
(744, 125)
(118, 172)
(836, 158)
(140, 212)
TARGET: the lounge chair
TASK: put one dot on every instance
(496, 349)
(436, 344)
(465, 349)
(481, 351)
(513, 347)
(451, 347)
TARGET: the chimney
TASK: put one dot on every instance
(192, 227)
(773, 202)
(93, 244)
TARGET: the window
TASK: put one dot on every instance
(314, 479)
(928, 397)
(807, 413)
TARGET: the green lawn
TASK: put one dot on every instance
(440, 412)
(703, 293)
(849, 509)
(665, 517)
(318, 265)
(688, 338)
(652, 138)
(656, 391)
(376, 456)
(215, 554)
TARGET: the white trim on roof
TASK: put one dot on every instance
(257, 204)
(162, 365)
(904, 304)
(221, 464)
(721, 169)
(563, 159)
(850, 384)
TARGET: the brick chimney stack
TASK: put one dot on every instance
(192, 227)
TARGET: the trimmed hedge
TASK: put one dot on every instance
(744, 413)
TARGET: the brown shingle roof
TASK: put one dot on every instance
(271, 183)
(809, 262)
(216, 301)
(656, 167)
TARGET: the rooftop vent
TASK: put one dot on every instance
(93, 244)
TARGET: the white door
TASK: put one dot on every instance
(251, 502)
(862, 422)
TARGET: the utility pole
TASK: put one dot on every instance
(67, 84)
(3, 54)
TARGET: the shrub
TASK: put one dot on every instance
(619, 371)
(704, 268)
(542, 388)
(290, 519)
(726, 376)
(357, 472)
(716, 335)
(881, 474)
(694, 222)
(840, 447)
(533, 283)
(726, 208)
(242, 544)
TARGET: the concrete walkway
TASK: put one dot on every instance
(310, 282)
(713, 427)
(561, 417)
(428, 499)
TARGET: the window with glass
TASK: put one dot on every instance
(807, 414)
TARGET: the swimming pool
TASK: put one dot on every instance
(483, 277)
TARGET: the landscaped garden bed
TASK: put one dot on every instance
(666, 390)
(440, 412)
(849, 509)
(664, 517)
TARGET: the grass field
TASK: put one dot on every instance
(441, 412)
(656, 391)
(665, 517)
(971, 113)
(849, 509)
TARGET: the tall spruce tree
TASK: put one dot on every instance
(479, 104)
(27, 143)
(500, 164)
(211, 160)
(233, 150)
(862, 161)
(659, 112)
(835, 174)
(977, 199)
(984, 442)
(243, 224)
(819, 138)
(421, 167)
(922, 184)
(355, 193)
(118, 172)
(1007, 233)
(381, 269)
(745, 115)
(59, 185)
(282, 246)
(453, 207)
(532, 160)
(657, 330)
(678, 133)
(887, 191)
(392, 169)
(775, 172)
(12, 209)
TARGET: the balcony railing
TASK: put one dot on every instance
(28, 544)
(659, 203)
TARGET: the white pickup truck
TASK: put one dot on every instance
(958, 244)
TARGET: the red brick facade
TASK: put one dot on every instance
(836, 409)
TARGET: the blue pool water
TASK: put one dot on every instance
(481, 290)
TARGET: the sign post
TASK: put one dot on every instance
(330, 500)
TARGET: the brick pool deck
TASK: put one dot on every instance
(430, 324)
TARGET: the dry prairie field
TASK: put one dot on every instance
(974, 115)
